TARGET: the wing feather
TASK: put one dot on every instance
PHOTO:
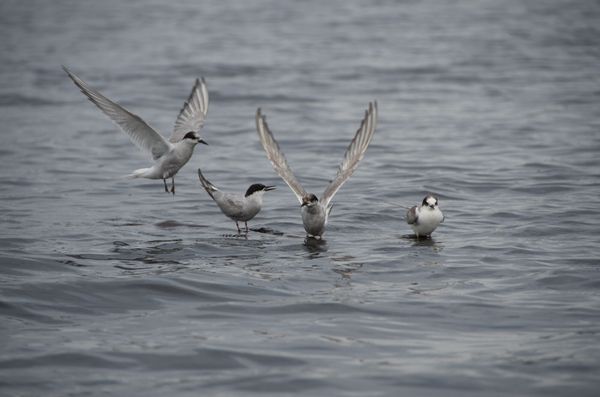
(354, 153)
(193, 113)
(275, 155)
(411, 216)
(140, 133)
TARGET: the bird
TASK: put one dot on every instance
(425, 218)
(169, 155)
(315, 212)
(235, 206)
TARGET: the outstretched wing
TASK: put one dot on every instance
(354, 153)
(140, 133)
(275, 155)
(193, 113)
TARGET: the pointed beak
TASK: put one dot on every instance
(304, 203)
(432, 206)
(200, 140)
(267, 188)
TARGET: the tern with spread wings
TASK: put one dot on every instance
(169, 155)
(314, 211)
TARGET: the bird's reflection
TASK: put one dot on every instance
(315, 247)
(423, 241)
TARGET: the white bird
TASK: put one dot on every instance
(169, 155)
(235, 206)
(425, 218)
(315, 212)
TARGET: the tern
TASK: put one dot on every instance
(169, 155)
(315, 212)
(235, 206)
(425, 218)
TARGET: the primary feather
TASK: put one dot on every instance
(140, 133)
(354, 153)
(275, 155)
(193, 113)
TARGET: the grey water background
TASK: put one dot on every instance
(110, 286)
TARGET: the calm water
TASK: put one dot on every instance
(110, 286)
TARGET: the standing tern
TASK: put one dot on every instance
(425, 218)
(235, 206)
(169, 155)
(315, 212)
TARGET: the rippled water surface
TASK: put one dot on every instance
(110, 286)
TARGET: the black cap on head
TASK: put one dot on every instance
(191, 135)
(257, 187)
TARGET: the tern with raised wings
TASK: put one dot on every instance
(315, 212)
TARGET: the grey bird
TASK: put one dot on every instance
(315, 212)
(169, 155)
(237, 207)
(425, 218)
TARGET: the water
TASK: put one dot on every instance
(112, 287)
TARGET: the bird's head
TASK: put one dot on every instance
(309, 200)
(193, 138)
(259, 189)
(430, 202)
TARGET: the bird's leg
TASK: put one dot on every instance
(238, 227)
(246, 223)
(173, 185)
(166, 187)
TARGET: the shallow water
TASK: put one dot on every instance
(112, 287)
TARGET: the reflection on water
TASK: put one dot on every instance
(110, 288)
(315, 247)
(423, 241)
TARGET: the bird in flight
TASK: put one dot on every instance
(169, 155)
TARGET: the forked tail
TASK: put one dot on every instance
(209, 187)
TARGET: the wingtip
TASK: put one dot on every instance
(260, 117)
(67, 71)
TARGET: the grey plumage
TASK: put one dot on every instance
(169, 155)
(314, 212)
(237, 207)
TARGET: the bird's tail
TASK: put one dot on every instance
(138, 173)
(209, 187)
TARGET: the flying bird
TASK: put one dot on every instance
(169, 155)
(425, 218)
(237, 207)
(315, 212)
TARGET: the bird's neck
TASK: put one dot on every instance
(255, 198)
